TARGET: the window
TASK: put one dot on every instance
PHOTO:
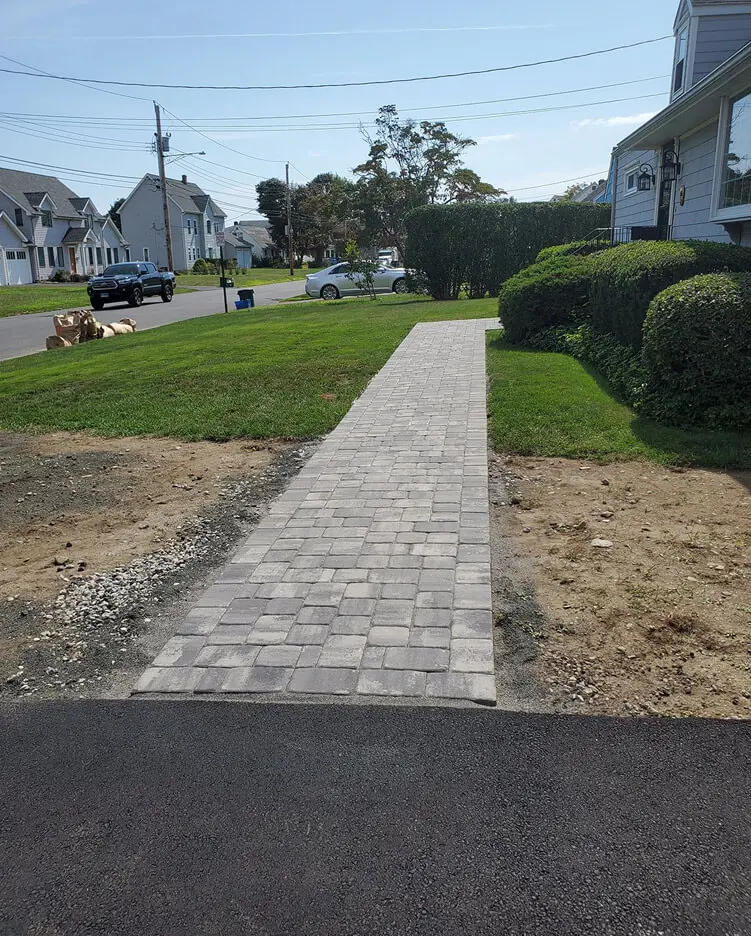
(91, 255)
(19, 217)
(736, 181)
(99, 256)
(208, 227)
(211, 253)
(60, 257)
(127, 253)
(46, 219)
(145, 253)
(109, 256)
(89, 221)
(10, 254)
(20, 255)
(40, 256)
(629, 180)
(51, 255)
(681, 47)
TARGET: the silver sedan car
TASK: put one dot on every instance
(337, 281)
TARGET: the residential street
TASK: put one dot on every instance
(25, 334)
(222, 818)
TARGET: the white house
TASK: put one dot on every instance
(247, 242)
(195, 219)
(686, 173)
(45, 227)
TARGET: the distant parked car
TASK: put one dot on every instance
(130, 282)
(337, 281)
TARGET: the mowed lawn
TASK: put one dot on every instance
(21, 300)
(551, 405)
(286, 371)
(261, 276)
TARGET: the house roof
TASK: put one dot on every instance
(77, 235)
(697, 106)
(29, 188)
(189, 197)
(256, 233)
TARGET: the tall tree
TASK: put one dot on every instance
(114, 213)
(411, 164)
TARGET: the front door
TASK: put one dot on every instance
(663, 211)
(72, 259)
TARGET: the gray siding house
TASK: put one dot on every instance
(686, 173)
(247, 242)
(194, 222)
(46, 227)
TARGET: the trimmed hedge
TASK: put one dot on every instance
(697, 352)
(545, 295)
(581, 248)
(478, 247)
(627, 278)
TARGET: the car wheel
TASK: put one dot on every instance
(329, 292)
(136, 297)
(97, 305)
(167, 293)
(400, 286)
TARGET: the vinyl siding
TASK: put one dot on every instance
(717, 38)
(143, 224)
(691, 220)
(639, 207)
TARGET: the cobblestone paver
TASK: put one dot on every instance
(371, 573)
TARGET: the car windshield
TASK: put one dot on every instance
(122, 269)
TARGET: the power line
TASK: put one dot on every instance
(339, 84)
(41, 73)
(588, 175)
(219, 143)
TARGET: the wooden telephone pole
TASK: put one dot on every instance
(163, 183)
(289, 228)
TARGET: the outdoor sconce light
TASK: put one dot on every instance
(670, 167)
(646, 178)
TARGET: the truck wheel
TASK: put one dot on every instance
(97, 305)
(136, 297)
(167, 292)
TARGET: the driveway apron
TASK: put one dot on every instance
(370, 575)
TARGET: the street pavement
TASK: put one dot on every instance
(370, 575)
(152, 818)
(26, 334)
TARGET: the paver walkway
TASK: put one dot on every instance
(371, 573)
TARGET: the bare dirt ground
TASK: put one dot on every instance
(103, 541)
(657, 622)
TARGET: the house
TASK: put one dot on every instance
(686, 173)
(195, 219)
(247, 242)
(46, 227)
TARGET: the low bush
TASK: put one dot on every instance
(200, 266)
(697, 352)
(60, 276)
(627, 278)
(545, 295)
(580, 248)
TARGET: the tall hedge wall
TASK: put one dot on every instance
(480, 246)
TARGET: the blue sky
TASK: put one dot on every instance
(527, 154)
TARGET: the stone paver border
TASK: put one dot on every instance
(371, 573)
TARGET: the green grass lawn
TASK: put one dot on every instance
(21, 300)
(260, 276)
(551, 405)
(261, 374)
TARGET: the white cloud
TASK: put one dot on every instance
(631, 120)
(495, 138)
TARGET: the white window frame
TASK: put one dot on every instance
(736, 212)
(45, 215)
(51, 257)
(41, 259)
(631, 170)
(683, 28)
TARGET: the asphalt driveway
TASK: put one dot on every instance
(25, 334)
(156, 817)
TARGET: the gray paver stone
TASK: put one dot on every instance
(416, 658)
(256, 679)
(330, 680)
(391, 682)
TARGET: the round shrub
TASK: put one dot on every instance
(697, 352)
(545, 295)
(200, 266)
(581, 248)
(627, 278)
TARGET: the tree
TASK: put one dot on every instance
(411, 164)
(361, 271)
(114, 213)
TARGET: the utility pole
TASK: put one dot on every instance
(289, 228)
(163, 182)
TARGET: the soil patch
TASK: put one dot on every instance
(104, 541)
(656, 619)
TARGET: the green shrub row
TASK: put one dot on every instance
(476, 247)
(626, 279)
(580, 248)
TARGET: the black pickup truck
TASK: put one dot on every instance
(130, 282)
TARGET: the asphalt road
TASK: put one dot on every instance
(153, 818)
(26, 334)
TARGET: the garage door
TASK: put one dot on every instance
(16, 270)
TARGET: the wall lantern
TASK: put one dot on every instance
(670, 167)
(646, 178)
